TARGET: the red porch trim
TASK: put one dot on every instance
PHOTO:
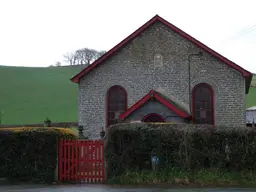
(153, 94)
(157, 18)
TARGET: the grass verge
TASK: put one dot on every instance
(207, 177)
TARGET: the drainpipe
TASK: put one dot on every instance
(199, 54)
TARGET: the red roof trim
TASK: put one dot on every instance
(156, 18)
(159, 98)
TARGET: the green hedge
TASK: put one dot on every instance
(30, 154)
(128, 146)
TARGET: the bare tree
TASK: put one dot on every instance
(70, 58)
(100, 53)
(58, 64)
(84, 56)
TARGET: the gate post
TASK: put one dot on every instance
(105, 162)
(56, 171)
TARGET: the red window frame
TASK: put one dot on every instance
(203, 105)
(116, 104)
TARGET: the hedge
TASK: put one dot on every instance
(30, 154)
(185, 146)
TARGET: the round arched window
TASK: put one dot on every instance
(203, 99)
(116, 104)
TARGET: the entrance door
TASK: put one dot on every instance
(153, 117)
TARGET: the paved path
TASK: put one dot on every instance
(104, 188)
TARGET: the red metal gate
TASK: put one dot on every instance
(81, 160)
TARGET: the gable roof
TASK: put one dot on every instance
(173, 99)
(155, 95)
(155, 19)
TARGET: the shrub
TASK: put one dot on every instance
(185, 146)
(30, 153)
(195, 178)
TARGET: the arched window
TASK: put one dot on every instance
(116, 104)
(203, 104)
(153, 117)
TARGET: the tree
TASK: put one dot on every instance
(70, 58)
(100, 53)
(58, 64)
(84, 56)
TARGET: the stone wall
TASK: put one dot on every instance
(133, 68)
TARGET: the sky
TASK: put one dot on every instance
(38, 32)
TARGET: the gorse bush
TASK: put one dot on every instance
(185, 146)
(30, 153)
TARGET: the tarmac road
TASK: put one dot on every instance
(106, 188)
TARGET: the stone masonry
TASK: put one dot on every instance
(133, 68)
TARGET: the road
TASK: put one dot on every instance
(104, 188)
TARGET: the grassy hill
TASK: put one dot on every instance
(29, 95)
(253, 84)
(251, 97)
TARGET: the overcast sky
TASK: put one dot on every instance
(39, 32)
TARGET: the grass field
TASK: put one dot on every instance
(253, 84)
(251, 97)
(29, 95)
